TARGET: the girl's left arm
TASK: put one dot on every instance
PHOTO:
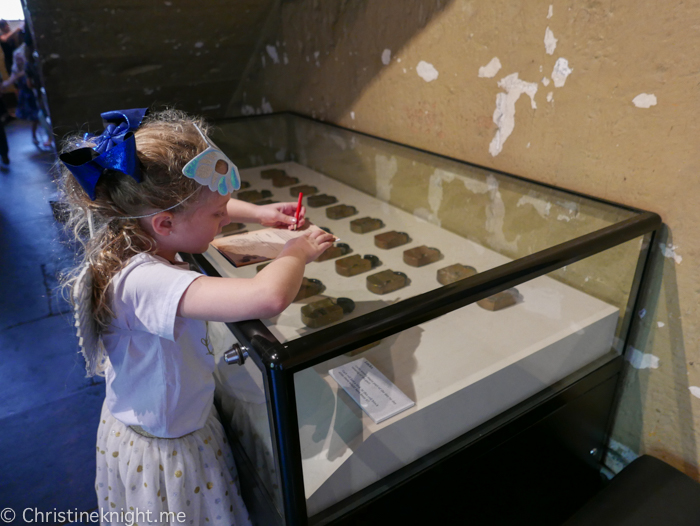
(276, 215)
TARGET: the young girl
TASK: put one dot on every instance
(140, 193)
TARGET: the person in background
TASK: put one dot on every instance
(10, 39)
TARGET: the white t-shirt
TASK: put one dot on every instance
(161, 372)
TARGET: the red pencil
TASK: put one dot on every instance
(296, 216)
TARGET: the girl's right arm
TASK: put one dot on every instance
(264, 296)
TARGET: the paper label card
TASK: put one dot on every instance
(257, 246)
(372, 391)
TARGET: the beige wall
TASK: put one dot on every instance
(588, 135)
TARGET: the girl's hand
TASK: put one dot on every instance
(313, 243)
(280, 215)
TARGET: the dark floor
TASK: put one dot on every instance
(49, 411)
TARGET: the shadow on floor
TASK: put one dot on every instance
(49, 411)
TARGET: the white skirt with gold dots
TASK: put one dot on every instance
(174, 481)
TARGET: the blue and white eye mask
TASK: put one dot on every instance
(213, 169)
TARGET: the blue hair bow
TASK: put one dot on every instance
(114, 149)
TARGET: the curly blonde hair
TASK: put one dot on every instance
(165, 142)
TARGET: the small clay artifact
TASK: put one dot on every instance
(231, 228)
(339, 249)
(305, 189)
(244, 185)
(326, 311)
(391, 239)
(499, 301)
(386, 281)
(365, 224)
(253, 196)
(271, 173)
(454, 273)
(420, 256)
(278, 181)
(309, 287)
(353, 265)
(317, 201)
(340, 211)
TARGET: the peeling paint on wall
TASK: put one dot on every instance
(426, 71)
(385, 168)
(644, 100)
(550, 96)
(504, 114)
(669, 251)
(562, 217)
(550, 43)
(640, 360)
(542, 206)
(386, 57)
(551, 11)
(489, 70)
(660, 324)
(545, 81)
(694, 390)
(435, 193)
(560, 72)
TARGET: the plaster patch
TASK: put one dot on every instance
(545, 81)
(489, 70)
(644, 100)
(550, 43)
(339, 141)
(247, 109)
(435, 193)
(385, 168)
(669, 251)
(562, 217)
(560, 72)
(543, 207)
(426, 71)
(551, 11)
(281, 154)
(660, 324)
(640, 360)
(694, 390)
(495, 218)
(476, 186)
(386, 57)
(550, 96)
(266, 106)
(619, 456)
(272, 51)
(504, 114)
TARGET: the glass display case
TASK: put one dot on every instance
(479, 295)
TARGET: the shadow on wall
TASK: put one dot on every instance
(349, 42)
(643, 412)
